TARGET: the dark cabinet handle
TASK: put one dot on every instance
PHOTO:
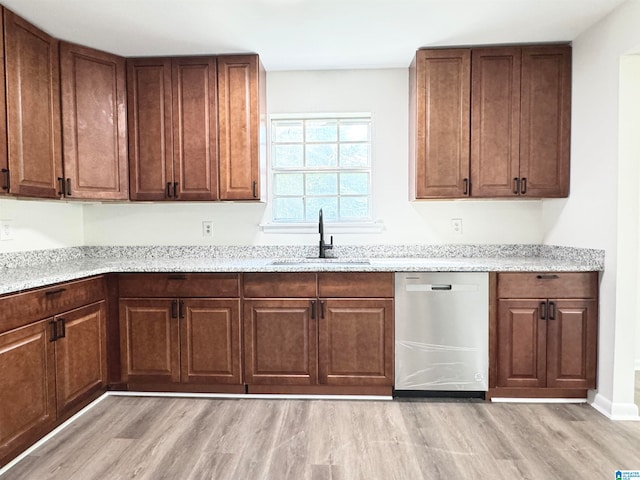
(313, 309)
(180, 309)
(168, 189)
(523, 185)
(63, 328)
(177, 277)
(441, 287)
(54, 292)
(54, 331)
(68, 192)
(465, 184)
(175, 189)
(543, 310)
(6, 179)
(552, 276)
(255, 189)
(552, 311)
(60, 186)
(174, 309)
(516, 185)
(322, 309)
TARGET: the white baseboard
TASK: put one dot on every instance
(615, 411)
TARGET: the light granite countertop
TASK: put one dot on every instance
(28, 270)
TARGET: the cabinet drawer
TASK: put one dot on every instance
(280, 285)
(548, 285)
(210, 285)
(23, 308)
(355, 284)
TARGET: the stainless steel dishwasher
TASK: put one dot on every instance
(441, 332)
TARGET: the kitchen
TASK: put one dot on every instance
(603, 188)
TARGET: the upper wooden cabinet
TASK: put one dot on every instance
(173, 128)
(33, 109)
(93, 85)
(517, 143)
(241, 113)
(4, 160)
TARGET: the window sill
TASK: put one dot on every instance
(330, 228)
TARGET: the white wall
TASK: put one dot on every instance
(42, 224)
(384, 93)
(602, 210)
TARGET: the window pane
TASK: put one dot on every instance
(291, 209)
(322, 155)
(321, 183)
(289, 184)
(354, 208)
(321, 131)
(329, 206)
(354, 183)
(354, 131)
(354, 155)
(287, 156)
(287, 131)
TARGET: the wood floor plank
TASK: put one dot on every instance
(186, 438)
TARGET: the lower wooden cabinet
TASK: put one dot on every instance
(318, 341)
(49, 369)
(546, 346)
(186, 340)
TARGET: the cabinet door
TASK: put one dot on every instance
(545, 124)
(27, 386)
(94, 123)
(150, 129)
(443, 79)
(195, 157)
(33, 109)
(240, 107)
(495, 121)
(210, 341)
(280, 342)
(4, 160)
(81, 356)
(522, 344)
(572, 343)
(356, 342)
(149, 341)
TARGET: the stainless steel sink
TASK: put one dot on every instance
(322, 261)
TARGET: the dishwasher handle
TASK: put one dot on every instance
(440, 287)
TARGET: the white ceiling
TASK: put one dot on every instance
(309, 34)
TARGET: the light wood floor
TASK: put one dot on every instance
(172, 438)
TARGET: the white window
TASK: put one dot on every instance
(321, 162)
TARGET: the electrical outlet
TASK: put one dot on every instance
(207, 229)
(456, 226)
(6, 230)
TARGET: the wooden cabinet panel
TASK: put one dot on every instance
(572, 344)
(522, 344)
(278, 285)
(495, 121)
(93, 85)
(355, 284)
(216, 285)
(150, 128)
(356, 342)
(280, 342)
(440, 124)
(4, 160)
(548, 285)
(210, 342)
(195, 128)
(546, 120)
(241, 110)
(81, 357)
(33, 108)
(27, 386)
(149, 343)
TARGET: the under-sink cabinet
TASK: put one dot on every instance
(53, 358)
(318, 332)
(180, 332)
(545, 335)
